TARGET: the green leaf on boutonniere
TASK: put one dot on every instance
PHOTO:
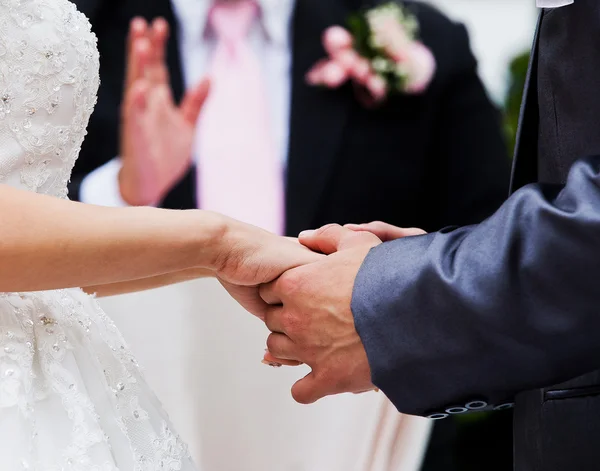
(361, 32)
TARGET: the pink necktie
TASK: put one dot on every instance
(238, 171)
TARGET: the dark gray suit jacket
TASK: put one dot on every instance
(492, 315)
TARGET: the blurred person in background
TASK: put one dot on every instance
(271, 149)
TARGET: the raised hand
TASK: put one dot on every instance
(311, 320)
(156, 134)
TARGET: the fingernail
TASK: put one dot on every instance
(306, 233)
(272, 364)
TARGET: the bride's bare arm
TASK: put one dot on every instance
(158, 281)
(48, 243)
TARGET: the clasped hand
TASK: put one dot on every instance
(308, 311)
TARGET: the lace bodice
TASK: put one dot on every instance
(71, 395)
(48, 83)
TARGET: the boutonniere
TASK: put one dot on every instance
(379, 52)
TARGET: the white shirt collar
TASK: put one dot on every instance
(275, 16)
(553, 3)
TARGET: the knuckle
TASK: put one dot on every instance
(290, 282)
(288, 320)
(292, 323)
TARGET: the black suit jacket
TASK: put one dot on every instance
(495, 314)
(426, 161)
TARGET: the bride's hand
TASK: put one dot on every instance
(249, 256)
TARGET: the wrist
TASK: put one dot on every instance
(213, 239)
(132, 189)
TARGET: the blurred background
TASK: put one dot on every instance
(501, 34)
(220, 396)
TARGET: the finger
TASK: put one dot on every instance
(248, 298)
(134, 105)
(194, 101)
(386, 232)
(137, 30)
(271, 360)
(281, 346)
(309, 389)
(326, 240)
(270, 294)
(273, 319)
(159, 34)
(138, 61)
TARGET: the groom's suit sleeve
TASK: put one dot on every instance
(473, 316)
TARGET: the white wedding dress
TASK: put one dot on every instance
(71, 395)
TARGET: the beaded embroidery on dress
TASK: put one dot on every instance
(71, 395)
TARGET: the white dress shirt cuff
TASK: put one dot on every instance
(101, 187)
(553, 3)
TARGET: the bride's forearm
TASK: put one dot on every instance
(144, 284)
(48, 243)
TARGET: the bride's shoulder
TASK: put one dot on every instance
(30, 13)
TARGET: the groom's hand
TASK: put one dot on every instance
(311, 319)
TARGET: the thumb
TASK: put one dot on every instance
(308, 390)
(326, 240)
(194, 100)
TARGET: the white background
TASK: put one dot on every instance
(499, 30)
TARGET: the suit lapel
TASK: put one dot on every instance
(173, 55)
(525, 163)
(318, 115)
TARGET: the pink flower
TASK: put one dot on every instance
(337, 39)
(419, 67)
(395, 57)
(389, 34)
(328, 73)
(343, 63)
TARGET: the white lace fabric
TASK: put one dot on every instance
(71, 394)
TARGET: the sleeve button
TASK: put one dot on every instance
(456, 410)
(476, 405)
(508, 405)
(437, 416)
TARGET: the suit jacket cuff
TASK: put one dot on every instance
(387, 324)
